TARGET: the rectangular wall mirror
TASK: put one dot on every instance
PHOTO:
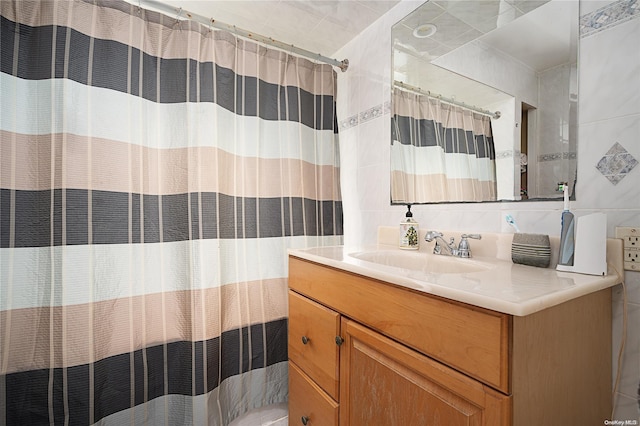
(484, 101)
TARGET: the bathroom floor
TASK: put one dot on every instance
(271, 415)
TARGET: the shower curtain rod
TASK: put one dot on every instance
(180, 13)
(418, 90)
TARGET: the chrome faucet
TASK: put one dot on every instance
(449, 248)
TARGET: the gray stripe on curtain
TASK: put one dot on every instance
(221, 216)
(121, 72)
(422, 132)
(112, 375)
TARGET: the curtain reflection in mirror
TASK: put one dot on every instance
(440, 152)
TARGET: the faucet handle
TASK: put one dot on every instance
(464, 250)
(474, 236)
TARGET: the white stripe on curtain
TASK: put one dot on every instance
(115, 262)
(118, 123)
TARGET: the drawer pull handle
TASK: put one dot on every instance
(305, 340)
(339, 340)
(304, 420)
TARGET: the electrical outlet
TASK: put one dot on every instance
(631, 245)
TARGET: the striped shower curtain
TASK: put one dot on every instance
(153, 175)
(440, 152)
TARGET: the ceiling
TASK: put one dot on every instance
(319, 26)
(541, 39)
(539, 34)
(535, 32)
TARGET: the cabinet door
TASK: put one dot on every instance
(312, 341)
(385, 383)
(308, 404)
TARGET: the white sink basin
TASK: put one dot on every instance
(418, 261)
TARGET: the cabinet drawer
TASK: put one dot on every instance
(307, 400)
(470, 339)
(312, 341)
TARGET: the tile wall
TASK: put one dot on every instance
(609, 114)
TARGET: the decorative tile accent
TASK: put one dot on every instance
(616, 163)
(371, 113)
(554, 156)
(387, 107)
(364, 116)
(609, 16)
(505, 154)
(349, 122)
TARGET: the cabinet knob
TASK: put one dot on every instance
(305, 340)
(304, 420)
(339, 340)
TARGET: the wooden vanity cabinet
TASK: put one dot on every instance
(390, 356)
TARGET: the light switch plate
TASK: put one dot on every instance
(631, 245)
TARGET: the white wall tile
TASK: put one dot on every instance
(633, 287)
(595, 139)
(373, 187)
(609, 62)
(369, 151)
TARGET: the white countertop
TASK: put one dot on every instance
(505, 287)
